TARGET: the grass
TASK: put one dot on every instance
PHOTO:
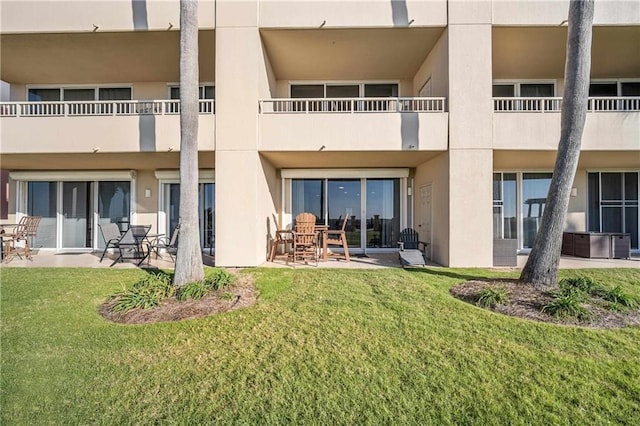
(320, 347)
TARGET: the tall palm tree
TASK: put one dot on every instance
(189, 258)
(542, 266)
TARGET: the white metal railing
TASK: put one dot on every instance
(351, 105)
(98, 108)
(595, 104)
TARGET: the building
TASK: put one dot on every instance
(439, 115)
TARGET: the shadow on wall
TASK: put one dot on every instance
(139, 12)
(147, 132)
(399, 13)
(409, 127)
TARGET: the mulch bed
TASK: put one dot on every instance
(526, 301)
(171, 309)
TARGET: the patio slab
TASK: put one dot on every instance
(47, 259)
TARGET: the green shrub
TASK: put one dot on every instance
(582, 284)
(619, 298)
(144, 294)
(227, 296)
(218, 279)
(492, 296)
(196, 290)
(567, 304)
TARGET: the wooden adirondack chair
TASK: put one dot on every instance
(305, 238)
(410, 253)
(338, 237)
(282, 237)
(18, 242)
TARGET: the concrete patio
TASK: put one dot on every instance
(379, 260)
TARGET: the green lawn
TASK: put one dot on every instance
(320, 346)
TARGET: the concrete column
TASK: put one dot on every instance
(245, 183)
(470, 134)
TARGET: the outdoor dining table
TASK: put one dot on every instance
(323, 230)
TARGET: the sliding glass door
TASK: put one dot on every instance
(42, 200)
(613, 203)
(76, 215)
(344, 200)
(206, 209)
(71, 210)
(372, 207)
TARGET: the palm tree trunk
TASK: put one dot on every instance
(542, 266)
(189, 257)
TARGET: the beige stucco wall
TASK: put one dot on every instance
(351, 13)
(553, 12)
(146, 208)
(435, 171)
(70, 16)
(603, 130)
(353, 132)
(135, 133)
(470, 134)
(435, 66)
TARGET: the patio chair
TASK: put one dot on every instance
(410, 253)
(305, 238)
(19, 241)
(162, 242)
(111, 235)
(283, 237)
(338, 237)
(131, 244)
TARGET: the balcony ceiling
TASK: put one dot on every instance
(539, 52)
(348, 54)
(85, 58)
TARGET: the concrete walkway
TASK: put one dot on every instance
(378, 260)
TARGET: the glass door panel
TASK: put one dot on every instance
(307, 195)
(76, 231)
(383, 213)
(207, 215)
(173, 207)
(114, 202)
(535, 187)
(344, 199)
(42, 201)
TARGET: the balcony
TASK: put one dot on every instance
(107, 126)
(612, 124)
(353, 124)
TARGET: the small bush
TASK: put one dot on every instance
(567, 304)
(144, 294)
(218, 279)
(619, 298)
(214, 280)
(492, 296)
(227, 296)
(583, 284)
(196, 290)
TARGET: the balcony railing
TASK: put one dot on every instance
(351, 105)
(595, 104)
(98, 108)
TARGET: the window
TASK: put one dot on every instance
(533, 90)
(603, 89)
(613, 203)
(71, 94)
(346, 90)
(630, 88)
(204, 92)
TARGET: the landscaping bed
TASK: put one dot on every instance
(528, 302)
